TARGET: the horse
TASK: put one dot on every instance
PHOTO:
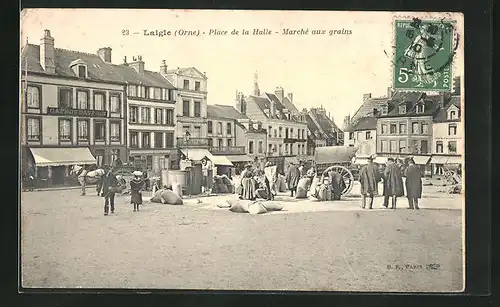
(87, 177)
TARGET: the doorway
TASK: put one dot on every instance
(58, 175)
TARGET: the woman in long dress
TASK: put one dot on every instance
(248, 185)
(136, 186)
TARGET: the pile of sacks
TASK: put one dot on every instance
(251, 206)
(167, 196)
(303, 187)
(222, 185)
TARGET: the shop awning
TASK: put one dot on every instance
(446, 160)
(220, 160)
(197, 154)
(62, 156)
(421, 160)
(360, 161)
(239, 158)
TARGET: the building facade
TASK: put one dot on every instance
(151, 116)
(191, 106)
(331, 133)
(221, 131)
(73, 111)
(363, 136)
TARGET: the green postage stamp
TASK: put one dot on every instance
(423, 54)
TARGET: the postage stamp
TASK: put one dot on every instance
(423, 54)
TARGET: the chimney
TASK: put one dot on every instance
(105, 54)
(47, 58)
(242, 103)
(163, 67)
(272, 108)
(280, 93)
(389, 92)
(290, 97)
(137, 64)
(125, 61)
(367, 96)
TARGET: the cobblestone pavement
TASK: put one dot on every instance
(68, 242)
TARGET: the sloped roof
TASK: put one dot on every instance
(184, 70)
(289, 105)
(224, 111)
(364, 123)
(97, 69)
(251, 129)
(442, 115)
(315, 133)
(366, 109)
(325, 123)
(412, 99)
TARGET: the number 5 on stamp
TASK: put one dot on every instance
(423, 55)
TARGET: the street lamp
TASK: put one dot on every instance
(187, 135)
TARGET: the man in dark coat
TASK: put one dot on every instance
(292, 178)
(369, 178)
(393, 183)
(337, 184)
(413, 184)
(109, 187)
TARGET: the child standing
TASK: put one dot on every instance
(136, 187)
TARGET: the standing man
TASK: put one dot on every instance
(109, 187)
(369, 178)
(81, 178)
(243, 175)
(413, 184)
(292, 178)
(337, 184)
(270, 179)
(393, 183)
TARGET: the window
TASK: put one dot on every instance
(270, 149)
(383, 145)
(197, 86)
(270, 129)
(229, 143)
(291, 132)
(220, 143)
(197, 132)
(169, 139)
(402, 128)
(368, 135)
(82, 100)
(439, 146)
(115, 131)
(149, 162)
(185, 108)
(65, 130)
(303, 149)
(134, 114)
(358, 135)
(261, 146)
(452, 115)
(452, 146)
(83, 130)
(170, 95)
(145, 140)
(197, 109)
(229, 129)
(157, 93)
(291, 149)
(383, 129)
(280, 149)
(414, 128)
(170, 117)
(402, 146)
(146, 115)
(82, 71)
(402, 109)
(115, 103)
(132, 90)
(34, 128)
(250, 147)
(420, 108)
(158, 140)
(393, 128)
(115, 154)
(425, 128)
(209, 126)
(219, 128)
(159, 116)
(303, 134)
(134, 139)
(275, 133)
(452, 129)
(99, 131)
(186, 85)
(33, 97)
(424, 147)
(394, 146)
(286, 148)
(351, 135)
(210, 142)
(280, 132)
(99, 156)
(384, 110)
(416, 146)
(142, 91)
(99, 99)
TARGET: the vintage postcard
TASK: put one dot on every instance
(242, 150)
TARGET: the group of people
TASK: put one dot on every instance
(393, 187)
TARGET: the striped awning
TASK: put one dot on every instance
(239, 158)
(421, 160)
(197, 154)
(446, 160)
(220, 160)
(62, 156)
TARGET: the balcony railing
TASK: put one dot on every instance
(224, 150)
(192, 142)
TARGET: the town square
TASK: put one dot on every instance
(144, 167)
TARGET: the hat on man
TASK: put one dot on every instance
(268, 163)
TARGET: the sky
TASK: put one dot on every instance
(333, 71)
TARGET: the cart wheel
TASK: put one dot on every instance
(346, 176)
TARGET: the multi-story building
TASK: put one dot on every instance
(448, 146)
(221, 126)
(331, 132)
(363, 135)
(315, 138)
(151, 101)
(405, 125)
(191, 106)
(73, 110)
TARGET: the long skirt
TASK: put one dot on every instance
(136, 198)
(248, 189)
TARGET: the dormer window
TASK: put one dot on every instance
(402, 109)
(384, 110)
(82, 71)
(79, 68)
(420, 108)
(452, 115)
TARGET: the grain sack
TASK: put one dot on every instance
(157, 197)
(226, 180)
(322, 192)
(303, 187)
(177, 189)
(261, 193)
(169, 197)
(272, 206)
(222, 188)
(314, 186)
(256, 208)
(226, 204)
(240, 206)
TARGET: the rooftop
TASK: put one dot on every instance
(224, 111)
(364, 123)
